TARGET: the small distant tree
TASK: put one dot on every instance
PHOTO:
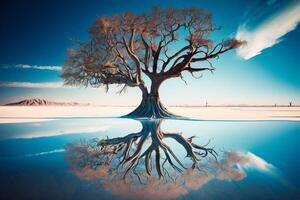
(123, 49)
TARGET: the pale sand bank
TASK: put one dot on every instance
(19, 114)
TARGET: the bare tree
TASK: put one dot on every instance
(124, 49)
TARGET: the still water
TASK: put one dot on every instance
(113, 158)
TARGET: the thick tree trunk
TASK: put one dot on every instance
(151, 106)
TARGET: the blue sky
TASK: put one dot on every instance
(34, 37)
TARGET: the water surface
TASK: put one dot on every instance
(256, 160)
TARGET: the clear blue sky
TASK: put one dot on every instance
(34, 37)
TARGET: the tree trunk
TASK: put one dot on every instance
(151, 106)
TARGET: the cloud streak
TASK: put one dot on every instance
(32, 85)
(64, 131)
(47, 67)
(269, 32)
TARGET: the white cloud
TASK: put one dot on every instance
(47, 67)
(269, 32)
(32, 85)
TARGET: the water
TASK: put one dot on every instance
(256, 160)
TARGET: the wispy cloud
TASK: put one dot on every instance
(38, 67)
(32, 85)
(269, 32)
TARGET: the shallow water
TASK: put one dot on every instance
(256, 160)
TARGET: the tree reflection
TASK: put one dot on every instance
(143, 165)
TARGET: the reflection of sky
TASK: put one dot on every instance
(269, 78)
(50, 128)
(273, 142)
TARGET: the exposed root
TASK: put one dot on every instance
(151, 107)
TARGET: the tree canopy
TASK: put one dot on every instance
(123, 47)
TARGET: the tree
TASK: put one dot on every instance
(125, 49)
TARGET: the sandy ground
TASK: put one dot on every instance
(20, 114)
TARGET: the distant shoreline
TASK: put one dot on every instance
(272, 106)
(180, 106)
(45, 102)
(19, 114)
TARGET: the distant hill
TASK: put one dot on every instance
(44, 102)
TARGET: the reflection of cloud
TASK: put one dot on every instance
(47, 67)
(258, 162)
(36, 154)
(232, 167)
(245, 160)
(63, 131)
(194, 180)
(32, 85)
(269, 32)
(21, 120)
(45, 153)
(92, 174)
(234, 164)
(154, 188)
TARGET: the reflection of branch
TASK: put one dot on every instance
(189, 146)
(127, 152)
